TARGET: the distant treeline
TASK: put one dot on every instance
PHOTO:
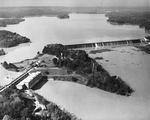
(19, 12)
(141, 18)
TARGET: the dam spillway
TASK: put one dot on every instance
(106, 44)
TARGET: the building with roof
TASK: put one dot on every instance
(30, 81)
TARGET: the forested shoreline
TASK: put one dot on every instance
(10, 39)
(135, 17)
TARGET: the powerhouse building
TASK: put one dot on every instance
(30, 81)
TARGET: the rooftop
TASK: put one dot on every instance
(29, 78)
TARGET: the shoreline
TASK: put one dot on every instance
(140, 18)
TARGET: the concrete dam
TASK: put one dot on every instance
(107, 44)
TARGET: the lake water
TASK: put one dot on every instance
(88, 103)
(80, 28)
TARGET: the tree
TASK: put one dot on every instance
(55, 61)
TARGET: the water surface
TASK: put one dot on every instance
(87, 103)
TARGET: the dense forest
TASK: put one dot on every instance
(138, 17)
(81, 63)
(10, 39)
(17, 105)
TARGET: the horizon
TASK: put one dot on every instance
(77, 6)
(75, 3)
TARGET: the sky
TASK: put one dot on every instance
(124, 3)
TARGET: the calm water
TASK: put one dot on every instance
(79, 28)
(88, 103)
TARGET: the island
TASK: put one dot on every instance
(10, 39)
(10, 21)
(133, 17)
(63, 16)
(2, 52)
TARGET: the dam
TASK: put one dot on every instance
(109, 43)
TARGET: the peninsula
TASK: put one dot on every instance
(10, 39)
(10, 21)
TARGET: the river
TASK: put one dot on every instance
(88, 103)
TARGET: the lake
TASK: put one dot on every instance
(88, 103)
(79, 28)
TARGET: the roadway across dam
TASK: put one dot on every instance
(107, 44)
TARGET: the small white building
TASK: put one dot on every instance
(30, 81)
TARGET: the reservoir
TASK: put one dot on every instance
(79, 28)
(88, 103)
